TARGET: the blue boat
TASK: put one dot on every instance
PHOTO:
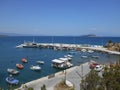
(12, 80)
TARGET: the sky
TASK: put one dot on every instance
(60, 17)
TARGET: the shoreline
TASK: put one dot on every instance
(55, 78)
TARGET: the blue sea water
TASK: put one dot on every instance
(10, 55)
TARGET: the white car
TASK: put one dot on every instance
(98, 68)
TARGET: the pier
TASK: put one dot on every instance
(62, 46)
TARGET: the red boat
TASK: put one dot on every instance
(20, 66)
(24, 60)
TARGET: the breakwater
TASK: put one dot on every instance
(61, 46)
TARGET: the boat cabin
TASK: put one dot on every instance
(58, 63)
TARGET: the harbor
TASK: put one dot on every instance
(72, 74)
(31, 57)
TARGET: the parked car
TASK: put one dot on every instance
(98, 68)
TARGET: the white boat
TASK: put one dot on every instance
(40, 62)
(83, 50)
(28, 45)
(96, 57)
(63, 63)
(68, 55)
(90, 51)
(12, 71)
(84, 56)
(63, 59)
(36, 68)
(69, 64)
(57, 63)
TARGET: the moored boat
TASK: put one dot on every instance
(20, 66)
(96, 57)
(28, 45)
(68, 55)
(12, 71)
(12, 80)
(40, 62)
(24, 60)
(61, 63)
(36, 68)
(84, 56)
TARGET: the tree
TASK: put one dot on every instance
(91, 81)
(43, 87)
(110, 79)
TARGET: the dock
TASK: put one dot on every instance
(77, 47)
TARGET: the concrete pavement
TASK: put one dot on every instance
(74, 75)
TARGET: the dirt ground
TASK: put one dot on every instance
(62, 86)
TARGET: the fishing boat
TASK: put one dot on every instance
(12, 71)
(20, 66)
(28, 45)
(24, 60)
(36, 68)
(61, 63)
(40, 62)
(12, 80)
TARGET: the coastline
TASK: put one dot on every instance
(73, 74)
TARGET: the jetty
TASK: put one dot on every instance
(73, 75)
(63, 46)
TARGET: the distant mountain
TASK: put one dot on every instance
(11, 34)
(3, 35)
(89, 35)
(7, 34)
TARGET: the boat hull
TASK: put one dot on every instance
(12, 81)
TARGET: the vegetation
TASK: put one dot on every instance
(113, 46)
(109, 80)
(43, 87)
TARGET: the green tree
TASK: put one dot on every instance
(91, 81)
(43, 87)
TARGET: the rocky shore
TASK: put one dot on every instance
(113, 46)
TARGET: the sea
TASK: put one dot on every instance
(10, 55)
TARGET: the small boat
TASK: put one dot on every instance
(20, 66)
(40, 62)
(84, 56)
(12, 71)
(68, 56)
(12, 80)
(28, 45)
(36, 68)
(90, 51)
(96, 57)
(24, 60)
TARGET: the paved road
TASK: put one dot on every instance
(73, 75)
